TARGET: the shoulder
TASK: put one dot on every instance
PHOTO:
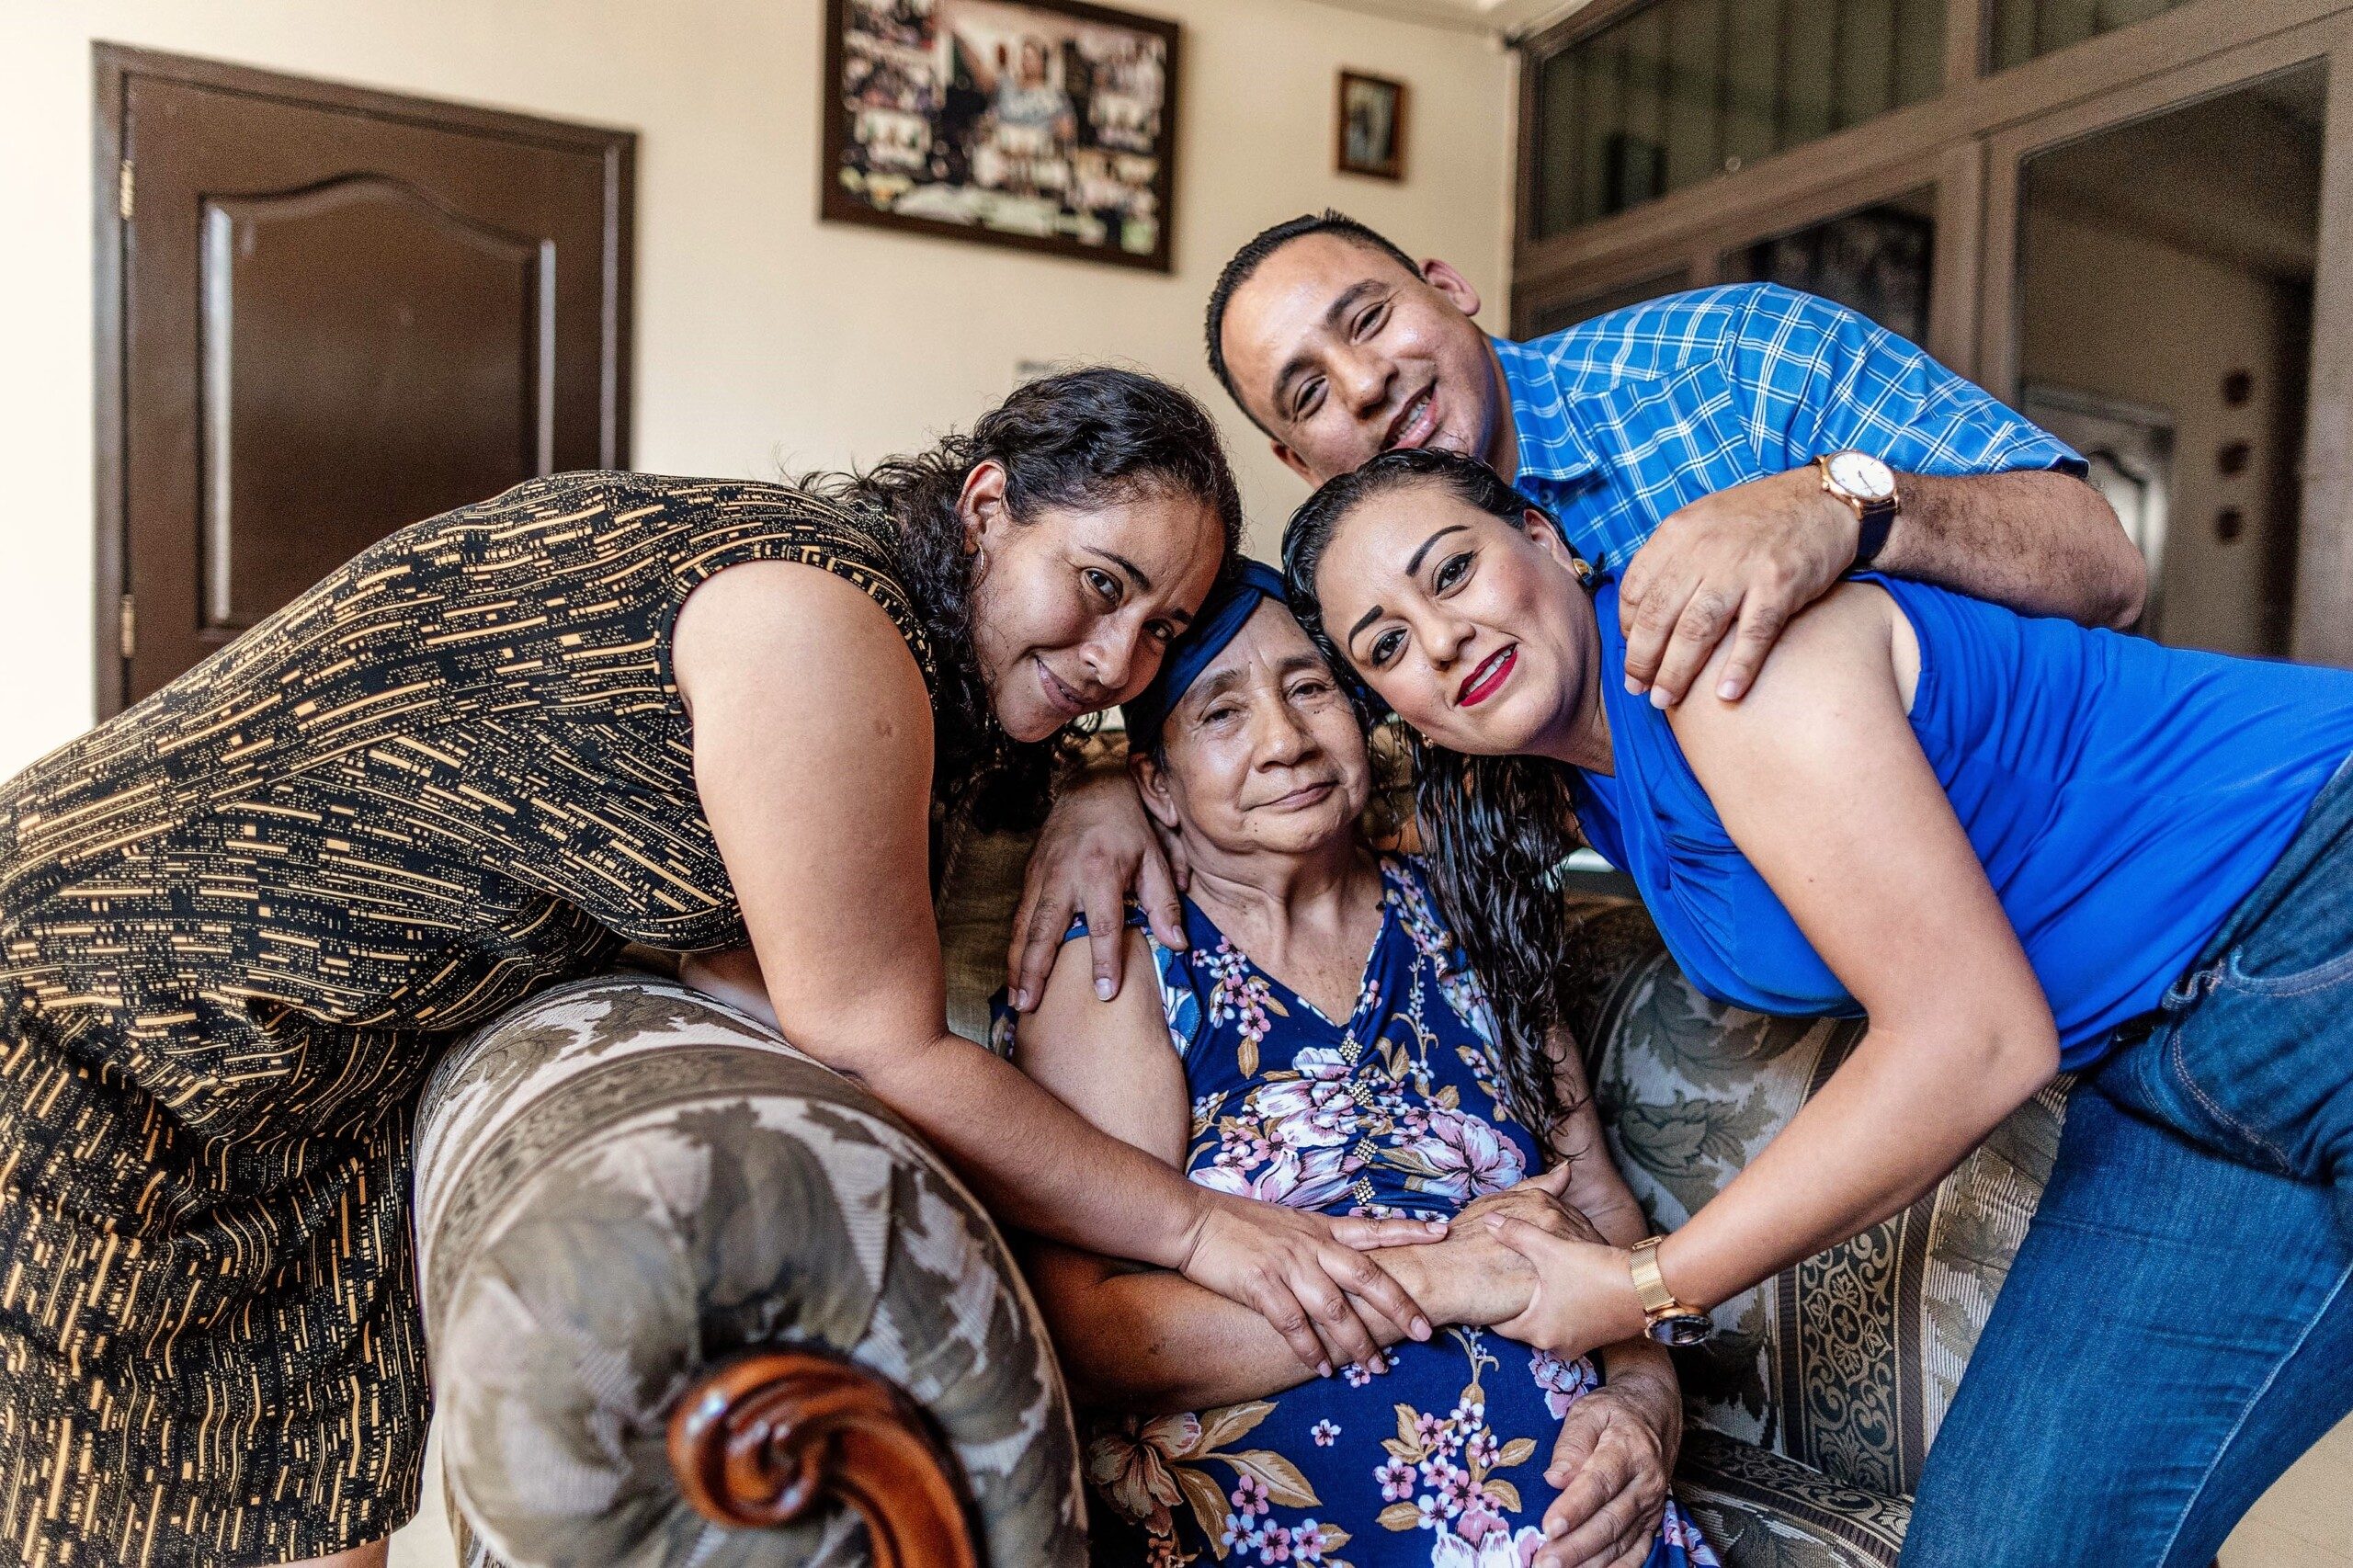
(1663, 336)
(1840, 650)
(1406, 884)
(1069, 1016)
(796, 633)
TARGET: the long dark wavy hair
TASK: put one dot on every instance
(1084, 437)
(1494, 829)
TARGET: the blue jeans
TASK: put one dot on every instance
(2178, 1326)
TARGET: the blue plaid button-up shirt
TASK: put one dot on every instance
(1624, 418)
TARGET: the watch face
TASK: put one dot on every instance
(1862, 476)
(1695, 1328)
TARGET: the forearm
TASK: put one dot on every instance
(1153, 1342)
(2040, 542)
(1036, 1164)
(1890, 1124)
(1640, 1367)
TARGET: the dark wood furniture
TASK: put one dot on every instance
(324, 313)
(777, 1434)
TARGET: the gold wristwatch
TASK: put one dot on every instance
(1867, 487)
(1666, 1320)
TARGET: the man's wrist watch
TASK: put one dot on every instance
(1867, 487)
(1665, 1319)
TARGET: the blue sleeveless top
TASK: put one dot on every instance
(2122, 796)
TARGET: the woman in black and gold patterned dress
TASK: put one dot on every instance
(238, 921)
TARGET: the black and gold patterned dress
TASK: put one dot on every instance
(238, 922)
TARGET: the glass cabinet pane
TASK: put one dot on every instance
(1876, 261)
(2165, 298)
(2021, 30)
(1679, 90)
(1552, 315)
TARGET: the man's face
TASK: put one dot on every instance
(1341, 354)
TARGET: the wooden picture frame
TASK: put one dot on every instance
(1368, 126)
(1039, 125)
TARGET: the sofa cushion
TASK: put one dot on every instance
(1847, 1362)
(622, 1184)
(1760, 1509)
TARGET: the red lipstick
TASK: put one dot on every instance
(1484, 682)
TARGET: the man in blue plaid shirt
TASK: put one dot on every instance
(1676, 441)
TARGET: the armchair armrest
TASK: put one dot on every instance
(691, 1296)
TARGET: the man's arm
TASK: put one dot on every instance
(1992, 507)
(1096, 844)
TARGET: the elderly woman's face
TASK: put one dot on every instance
(1264, 752)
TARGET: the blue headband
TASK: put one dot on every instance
(1222, 620)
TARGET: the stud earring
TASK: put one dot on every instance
(1583, 569)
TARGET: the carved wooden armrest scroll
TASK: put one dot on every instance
(767, 1438)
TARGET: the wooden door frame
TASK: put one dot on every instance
(112, 67)
(2321, 622)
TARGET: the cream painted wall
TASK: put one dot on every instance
(764, 340)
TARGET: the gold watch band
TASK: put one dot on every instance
(1658, 1301)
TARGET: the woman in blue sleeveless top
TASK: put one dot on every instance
(2017, 847)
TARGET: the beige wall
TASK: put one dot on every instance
(764, 340)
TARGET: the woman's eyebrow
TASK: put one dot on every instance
(1413, 568)
(1177, 613)
(1413, 564)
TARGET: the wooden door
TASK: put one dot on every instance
(324, 313)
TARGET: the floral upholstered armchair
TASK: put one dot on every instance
(692, 1298)
(1810, 1414)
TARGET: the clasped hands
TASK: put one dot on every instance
(1501, 1265)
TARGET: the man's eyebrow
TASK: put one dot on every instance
(1299, 363)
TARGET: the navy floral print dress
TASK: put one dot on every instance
(1436, 1453)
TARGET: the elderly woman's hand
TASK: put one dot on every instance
(1613, 1459)
(1302, 1273)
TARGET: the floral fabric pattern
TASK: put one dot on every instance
(1433, 1453)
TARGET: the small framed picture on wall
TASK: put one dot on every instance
(1372, 134)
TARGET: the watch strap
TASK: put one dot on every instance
(1875, 519)
(1657, 1301)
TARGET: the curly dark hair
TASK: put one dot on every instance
(1082, 438)
(1494, 829)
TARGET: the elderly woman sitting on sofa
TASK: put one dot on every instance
(1306, 1073)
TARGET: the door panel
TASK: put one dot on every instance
(432, 385)
(339, 312)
